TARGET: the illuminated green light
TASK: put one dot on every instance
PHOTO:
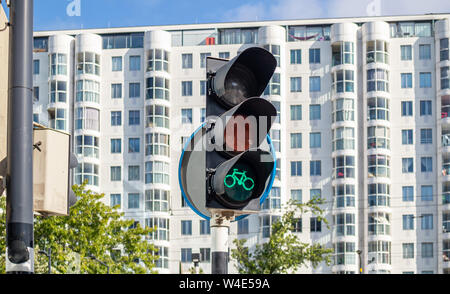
(240, 182)
(239, 178)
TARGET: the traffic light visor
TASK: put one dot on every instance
(245, 76)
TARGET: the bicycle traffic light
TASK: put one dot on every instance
(238, 169)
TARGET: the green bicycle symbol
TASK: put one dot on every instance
(231, 180)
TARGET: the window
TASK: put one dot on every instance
(202, 88)
(36, 117)
(426, 164)
(157, 172)
(186, 227)
(425, 107)
(224, 55)
(426, 136)
(408, 193)
(408, 222)
(296, 56)
(134, 173)
(186, 88)
(406, 80)
(296, 112)
(117, 63)
(407, 137)
(87, 118)
(296, 168)
(378, 108)
(379, 166)
(344, 224)
(379, 223)
(88, 63)
(380, 252)
(87, 146)
(275, 135)
(344, 195)
(163, 254)
(115, 200)
(444, 49)
(315, 168)
(135, 63)
(243, 226)
(445, 77)
(116, 118)
(36, 66)
(158, 60)
(424, 51)
(296, 84)
(315, 194)
(343, 138)
(315, 140)
(58, 91)
(157, 88)
(87, 172)
(297, 225)
(344, 253)
(186, 255)
(35, 94)
(134, 145)
(205, 254)
(205, 228)
(116, 146)
(266, 222)
(314, 112)
(202, 115)
(343, 167)
(296, 141)
(116, 173)
(314, 84)
(157, 116)
(343, 53)
(116, 91)
(378, 137)
(186, 60)
(406, 52)
(157, 200)
(296, 196)
(314, 55)
(275, 50)
(88, 91)
(377, 80)
(58, 64)
(407, 165)
(315, 225)
(134, 118)
(274, 199)
(408, 250)
(134, 90)
(274, 86)
(379, 195)
(377, 51)
(343, 81)
(121, 41)
(186, 116)
(407, 108)
(133, 201)
(426, 193)
(425, 80)
(427, 250)
(426, 222)
(343, 110)
(203, 57)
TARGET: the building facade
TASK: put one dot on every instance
(359, 126)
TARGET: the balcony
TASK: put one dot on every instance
(445, 110)
(445, 141)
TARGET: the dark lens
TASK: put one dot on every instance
(240, 84)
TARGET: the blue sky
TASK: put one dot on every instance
(52, 14)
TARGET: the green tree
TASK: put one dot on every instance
(91, 229)
(283, 253)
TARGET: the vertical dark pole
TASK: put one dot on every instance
(19, 211)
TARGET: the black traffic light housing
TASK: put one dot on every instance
(238, 122)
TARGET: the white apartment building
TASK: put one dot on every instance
(364, 122)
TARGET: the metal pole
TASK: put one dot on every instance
(360, 262)
(19, 197)
(220, 225)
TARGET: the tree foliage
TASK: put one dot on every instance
(283, 253)
(91, 229)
